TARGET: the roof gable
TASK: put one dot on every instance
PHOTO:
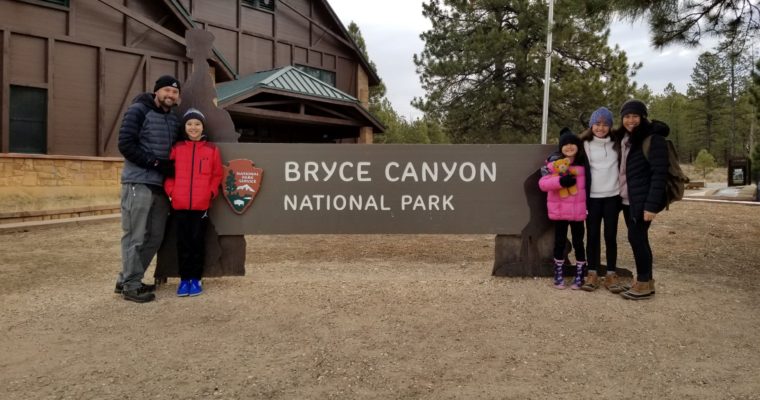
(373, 77)
(290, 82)
(184, 16)
(289, 79)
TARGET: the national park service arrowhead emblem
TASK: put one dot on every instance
(242, 181)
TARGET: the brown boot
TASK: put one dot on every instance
(592, 282)
(640, 291)
(613, 284)
(627, 286)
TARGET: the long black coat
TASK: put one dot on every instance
(646, 177)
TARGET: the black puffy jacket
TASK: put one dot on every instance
(147, 133)
(646, 176)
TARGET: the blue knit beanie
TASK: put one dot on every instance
(602, 114)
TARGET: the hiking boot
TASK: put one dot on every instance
(183, 289)
(640, 291)
(627, 286)
(195, 287)
(592, 282)
(144, 288)
(137, 296)
(613, 284)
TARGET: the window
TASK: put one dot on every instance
(262, 4)
(64, 3)
(59, 4)
(28, 120)
(327, 77)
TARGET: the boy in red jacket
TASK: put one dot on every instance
(198, 173)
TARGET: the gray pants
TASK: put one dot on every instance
(143, 220)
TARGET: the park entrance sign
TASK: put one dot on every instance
(365, 189)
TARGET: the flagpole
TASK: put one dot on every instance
(547, 74)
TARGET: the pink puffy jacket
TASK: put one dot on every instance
(570, 208)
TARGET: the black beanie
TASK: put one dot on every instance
(634, 106)
(166, 80)
(568, 137)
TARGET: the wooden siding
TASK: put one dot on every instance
(292, 27)
(257, 22)
(120, 85)
(254, 40)
(55, 20)
(226, 42)
(346, 76)
(221, 12)
(161, 66)
(283, 55)
(139, 35)
(27, 58)
(93, 59)
(97, 23)
(5, 60)
(315, 59)
(328, 61)
(300, 55)
(251, 57)
(74, 102)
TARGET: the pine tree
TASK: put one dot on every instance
(230, 182)
(397, 129)
(376, 93)
(738, 68)
(670, 107)
(686, 22)
(710, 99)
(754, 91)
(483, 68)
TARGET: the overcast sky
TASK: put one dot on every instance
(391, 30)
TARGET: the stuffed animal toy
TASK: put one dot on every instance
(561, 168)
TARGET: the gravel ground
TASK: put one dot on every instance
(385, 317)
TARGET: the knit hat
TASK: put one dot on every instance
(568, 137)
(166, 80)
(193, 113)
(634, 106)
(602, 114)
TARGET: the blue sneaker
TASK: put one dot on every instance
(183, 289)
(195, 288)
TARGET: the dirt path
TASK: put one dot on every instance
(385, 317)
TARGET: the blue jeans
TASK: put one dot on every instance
(143, 220)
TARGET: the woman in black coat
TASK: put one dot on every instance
(642, 187)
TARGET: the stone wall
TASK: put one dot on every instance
(33, 182)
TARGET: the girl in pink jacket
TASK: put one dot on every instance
(565, 186)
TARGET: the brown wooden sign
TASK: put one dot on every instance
(339, 189)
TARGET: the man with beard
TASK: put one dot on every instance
(148, 131)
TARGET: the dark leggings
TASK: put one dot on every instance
(191, 243)
(560, 238)
(638, 237)
(605, 209)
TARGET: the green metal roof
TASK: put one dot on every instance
(288, 79)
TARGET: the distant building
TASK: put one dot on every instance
(286, 70)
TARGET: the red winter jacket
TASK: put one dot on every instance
(198, 173)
